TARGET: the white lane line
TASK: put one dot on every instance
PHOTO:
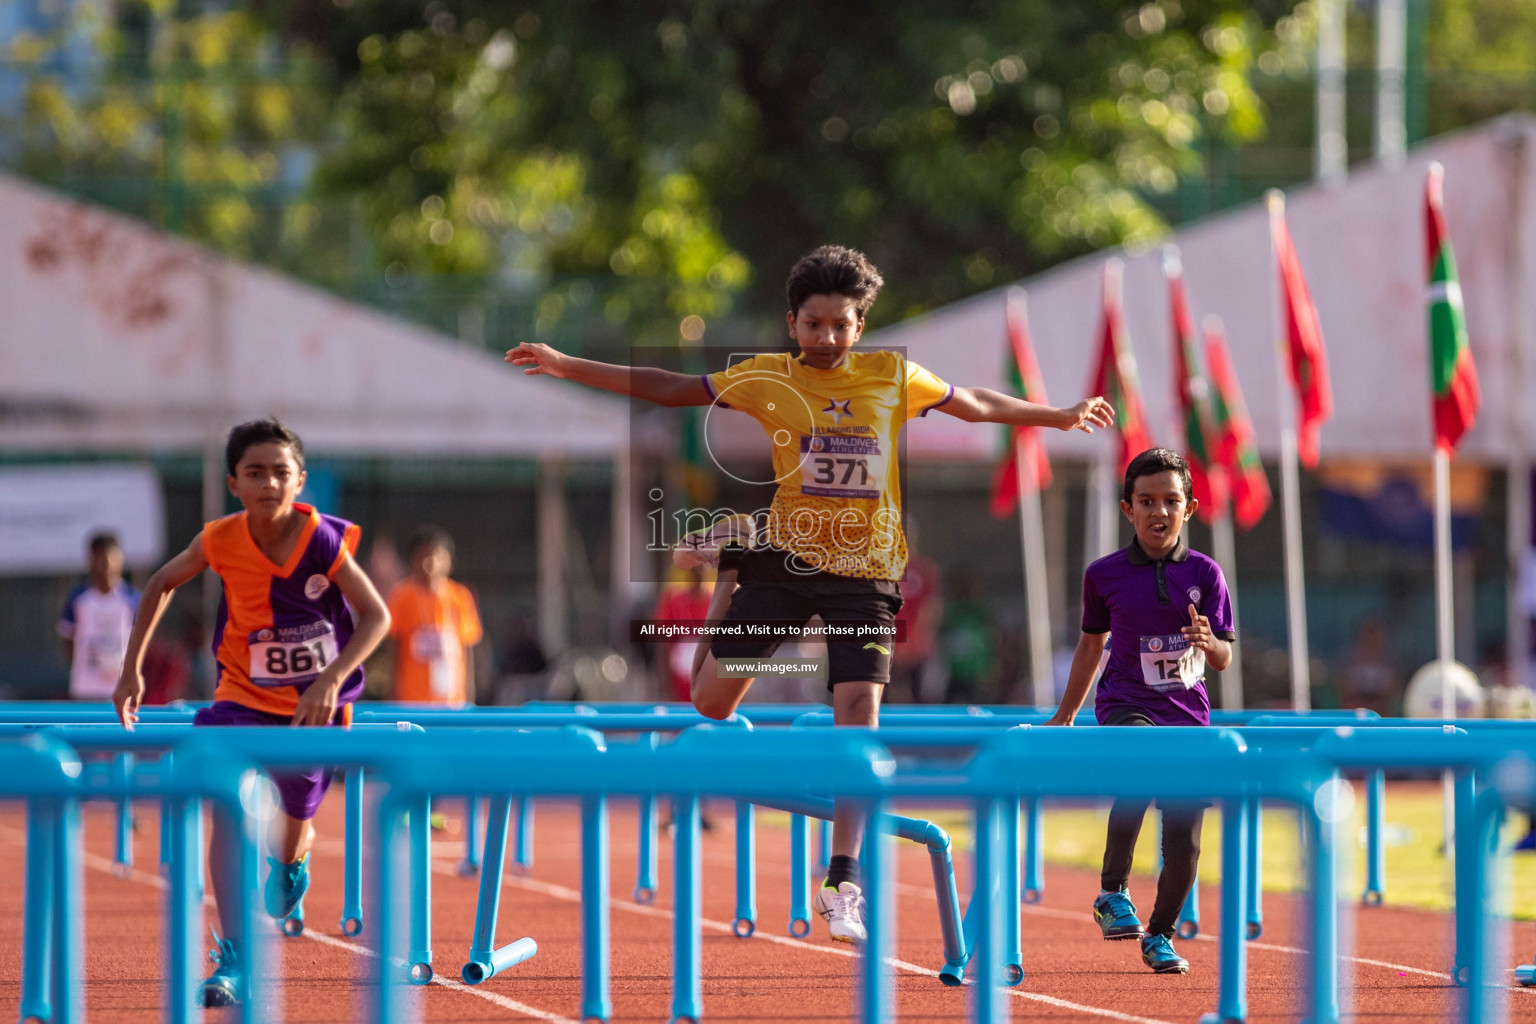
(565, 893)
(437, 979)
(107, 866)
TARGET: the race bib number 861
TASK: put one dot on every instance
(1170, 663)
(291, 655)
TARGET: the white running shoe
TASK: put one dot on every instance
(702, 547)
(843, 909)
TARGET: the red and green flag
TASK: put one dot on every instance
(1024, 444)
(1114, 374)
(1452, 374)
(1306, 357)
(1234, 449)
(1208, 479)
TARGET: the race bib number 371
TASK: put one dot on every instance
(841, 466)
(291, 655)
(1170, 663)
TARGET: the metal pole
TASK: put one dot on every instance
(1445, 615)
(551, 556)
(1518, 467)
(1290, 488)
(1225, 543)
(1331, 154)
(1036, 596)
(1391, 59)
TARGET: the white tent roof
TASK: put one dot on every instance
(1362, 248)
(115, 336)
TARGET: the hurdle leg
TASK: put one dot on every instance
(1232, 995)
(470, 865)
(1034, 851)
(1255, 873)
(941, 861)
(1486, 993)
(352, 856)
(419, 960)
(745, 922)
(596, 1003)
(823, 848)
(1464, 852)
(1012, 948)
(184, 928)
(37, 917)
(122, 850)
(799, 877)
(523, 855)
(687, 927)
(67, 975)
(987, 1001)
(645, 869)
(386, 887)
(165, 831)
(498, 812)
(878, 1003)
(1323, 965)
(1375, 854)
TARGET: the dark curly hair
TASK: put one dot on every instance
(264, 431)
(834, 270)
(1154, 461)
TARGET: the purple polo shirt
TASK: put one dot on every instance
(1143, 603)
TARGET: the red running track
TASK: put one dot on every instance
(1072, 974)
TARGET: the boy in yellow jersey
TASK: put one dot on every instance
(290, 650)
(833, 545)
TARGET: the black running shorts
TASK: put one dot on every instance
(771, 591)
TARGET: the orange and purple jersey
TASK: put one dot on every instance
(280, 625)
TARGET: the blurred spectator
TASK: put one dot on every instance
(1369, 679)
(97, 618)
(435, 626)
(921, 610)
(685, 598)
(967, 641)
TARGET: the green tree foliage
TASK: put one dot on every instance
(678, 145)
(183, 120)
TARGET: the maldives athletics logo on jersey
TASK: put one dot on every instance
(315, 586)
(1194, 595)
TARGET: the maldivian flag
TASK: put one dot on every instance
(1452, 374)
(1235, 448)
(1114, 375)
(1307, 358)
(1024, 375)
(1208, 479)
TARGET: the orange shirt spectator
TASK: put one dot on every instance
(435, 626)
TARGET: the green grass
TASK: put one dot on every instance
(1417, 875)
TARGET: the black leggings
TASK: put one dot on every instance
(1181, 848)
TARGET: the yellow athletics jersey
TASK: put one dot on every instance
(833, 432)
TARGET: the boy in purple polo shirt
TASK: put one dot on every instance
(1165, 613)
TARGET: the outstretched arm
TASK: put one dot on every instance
(983, 405)
(1085, 662)
(152, 604)
(663, 387)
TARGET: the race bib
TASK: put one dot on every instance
(104, 652)
(429, 644)
(291, 655)
(841, 466)
(1170, 663)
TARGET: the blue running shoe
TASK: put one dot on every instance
(286, 886)
(1527, 842)
(1157, 953)
(226, 985)
(1116, 915)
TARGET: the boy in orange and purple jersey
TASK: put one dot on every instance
(834, 544)
(287, 647)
